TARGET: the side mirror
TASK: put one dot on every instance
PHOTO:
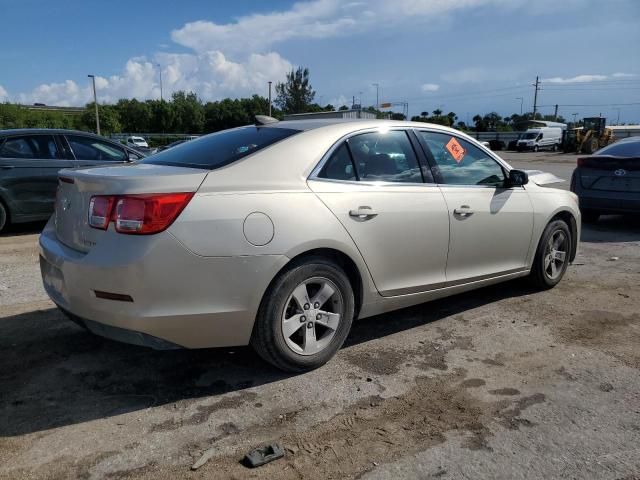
(133, 158)
(517, 178)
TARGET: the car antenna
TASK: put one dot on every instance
(262, 120)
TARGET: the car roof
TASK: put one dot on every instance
(352, 124)
(51, 131)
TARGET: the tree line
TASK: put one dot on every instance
(185, 113)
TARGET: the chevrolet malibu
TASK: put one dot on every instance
(280, 234)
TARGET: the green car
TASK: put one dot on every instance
(29, 163)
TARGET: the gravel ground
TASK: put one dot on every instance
(504, 382)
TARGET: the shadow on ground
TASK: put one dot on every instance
(612, 228)
(53, 373)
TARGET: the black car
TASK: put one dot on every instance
(609, 180)
(29, 163)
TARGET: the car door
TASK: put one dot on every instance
(30, 165)
(91, 151)
(491, 223)
(373, 184)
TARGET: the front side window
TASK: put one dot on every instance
(89, 148)
(40, 147)
(458, 162)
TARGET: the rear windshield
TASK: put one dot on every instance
(219, 149)
(621, 149)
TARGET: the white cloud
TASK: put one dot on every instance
(209, 74)
(577, 79)
(237, 58)
(318, 19)
(3, 94)
(430, 87)
(623, 75)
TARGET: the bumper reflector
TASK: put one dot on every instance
(119, 297)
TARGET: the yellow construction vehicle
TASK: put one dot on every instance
(593, 135)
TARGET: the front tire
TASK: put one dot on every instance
(535, 148)
(552, 255)
(305, 316)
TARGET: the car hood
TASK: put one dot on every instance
(543, 178)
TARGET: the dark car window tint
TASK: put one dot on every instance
(385, 156)
(40, 147)
(219, 149)
(621, 149)
(89, 148)
(458, 162)
(339, 166)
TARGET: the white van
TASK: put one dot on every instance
(137, 142)
(540, 138)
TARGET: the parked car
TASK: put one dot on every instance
(279, 234)
(541, 138)
(137, 142)
(609, 180)
(29, 163)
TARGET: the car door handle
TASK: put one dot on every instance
(363, 213)
(463, 211)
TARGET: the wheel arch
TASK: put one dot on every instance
(569, 218)
(342, 259)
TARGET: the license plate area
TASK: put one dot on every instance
(53, 281)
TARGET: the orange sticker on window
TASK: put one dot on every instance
(456, 150)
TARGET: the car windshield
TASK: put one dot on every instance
(621, 149)
(530, 135)
(219, 149)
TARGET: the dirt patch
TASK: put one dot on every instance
(393, 428)
(473, 383)
(505, 391)
(603, 330)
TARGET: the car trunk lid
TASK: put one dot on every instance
(610, 173)
(76, 187)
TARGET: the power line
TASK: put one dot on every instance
(591, 104)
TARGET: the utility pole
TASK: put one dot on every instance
(95, 102)
(535, 97)
(160, 70)
(269, 97)
(521, 100)
(575, 114)
(555, 114)
(377, 85)
(618, 120)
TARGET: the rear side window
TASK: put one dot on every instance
(339, 166)
(38, 147)
(222, 148)
(621, 149)
(89, 148)
(385, 157)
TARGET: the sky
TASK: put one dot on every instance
(465, 56)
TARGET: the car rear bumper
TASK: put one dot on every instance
(164, 296)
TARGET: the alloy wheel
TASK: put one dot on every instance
(311, 315)
(555, 254)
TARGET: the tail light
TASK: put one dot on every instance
(137, 214)
(581, 161)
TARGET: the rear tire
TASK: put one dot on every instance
(552, 255)
(298, 328)
(4, 217)
(590, 216)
